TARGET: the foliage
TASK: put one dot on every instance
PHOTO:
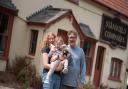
(88, 86)
(25, 73)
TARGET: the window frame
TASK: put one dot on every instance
(4, 35)
(35, 32)
(90, 57)
(11, 16)
(115, 69)
(74, 1)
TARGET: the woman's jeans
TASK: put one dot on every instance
(54, 81)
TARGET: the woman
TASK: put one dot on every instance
(55, 81)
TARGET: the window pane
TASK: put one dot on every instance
(88, 63)
(2, 44)
(88, 49)
(117, 66)
(3, 23)
(111, 68)
(34, 35)
(115, 70)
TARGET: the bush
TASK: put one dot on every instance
(88, 86)
(25, 73)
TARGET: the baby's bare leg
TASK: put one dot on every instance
(65, 70)
(53, 66)
(66, 63)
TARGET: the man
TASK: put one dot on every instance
(75, 77)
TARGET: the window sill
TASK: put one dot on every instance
(74, 2)
(3, 58)
(114, 79)
(30, 56)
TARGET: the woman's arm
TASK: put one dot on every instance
(45, 61)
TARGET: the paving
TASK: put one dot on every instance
(2, 87)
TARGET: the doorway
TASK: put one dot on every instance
(63, 34)
(98, 66)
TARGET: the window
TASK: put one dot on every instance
(3, 33)
(88, 54)
(33, 42)
(115, 69)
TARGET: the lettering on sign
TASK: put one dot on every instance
(114, 32)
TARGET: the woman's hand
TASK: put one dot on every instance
(52, 48)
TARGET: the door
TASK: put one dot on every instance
(63, 34)
(98, 66)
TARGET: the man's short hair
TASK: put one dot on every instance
(72, 31)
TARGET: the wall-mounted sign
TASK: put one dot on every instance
(114, 32)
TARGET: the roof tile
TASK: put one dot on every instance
(121, 6)
(45, 15)
(8, 4)
(86, 30)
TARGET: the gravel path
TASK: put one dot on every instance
(2, 87)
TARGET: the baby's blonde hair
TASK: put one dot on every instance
(59, 38)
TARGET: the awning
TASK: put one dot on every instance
(8, 4)
(87, 31)
(45, 15)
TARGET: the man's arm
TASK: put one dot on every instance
(83, 68)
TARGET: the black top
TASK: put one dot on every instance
(46, 50)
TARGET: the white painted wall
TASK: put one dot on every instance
(2, 65)
(118, 53)
(19, 39)
(38, 58)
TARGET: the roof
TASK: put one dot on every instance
(87, 31)
(8, 4)
(46, 15)
(49, 15)
(121, 6)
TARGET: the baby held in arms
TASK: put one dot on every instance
(58, 53)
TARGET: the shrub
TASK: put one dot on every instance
(88, 86)
(25, 73)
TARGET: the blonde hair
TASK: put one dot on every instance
(45, 42)
(59, 38)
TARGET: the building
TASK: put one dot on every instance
(102, 26)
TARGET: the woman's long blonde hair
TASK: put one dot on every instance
(45, 42)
